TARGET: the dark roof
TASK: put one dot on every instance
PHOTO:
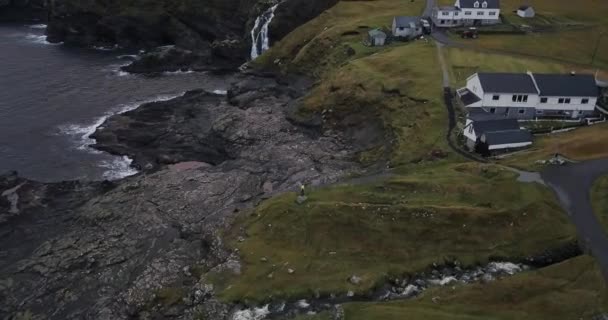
(482, 127)
(507, 137)
(492, 4)
(405, 21)
(469, 98)
(579, 85)
(507, 83)
(524, 8)
(449, 8)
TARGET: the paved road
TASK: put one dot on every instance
(572, 184)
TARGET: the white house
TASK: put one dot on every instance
(468, 13)
(493, 135)
(528, 95)
(526, 11)
(448, 16)
(407, 27)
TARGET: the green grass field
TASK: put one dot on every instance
(599, 199)
(466, 212)
(573, 289)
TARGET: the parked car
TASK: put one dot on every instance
(471, 33)
(426, 26)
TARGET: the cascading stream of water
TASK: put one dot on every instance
(259, 34)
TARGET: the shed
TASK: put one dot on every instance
(526, 11)
(407, 27)
(376, 37)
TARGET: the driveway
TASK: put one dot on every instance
(572, 184)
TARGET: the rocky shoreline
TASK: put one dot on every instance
(124, 249)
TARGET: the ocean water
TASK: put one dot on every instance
(53, 97)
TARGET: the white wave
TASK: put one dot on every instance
(102, 48)
(38, 26)
(221, 92)
(128, 56)
(506, 267)
(118, 168)
(251, 314)
(121, 73)
(177, 73)
(302, 304)
(39, 39)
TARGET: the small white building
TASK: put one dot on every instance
(494, 135)
(526, 11)
(376, 37)
(528, 95)
(407, 27)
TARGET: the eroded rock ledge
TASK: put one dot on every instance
(135, 248)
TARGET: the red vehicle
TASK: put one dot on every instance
(470, 34)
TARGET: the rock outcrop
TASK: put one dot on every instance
(137, 248)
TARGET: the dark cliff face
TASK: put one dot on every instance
(145, 23)
(215, 28)
(23, 10)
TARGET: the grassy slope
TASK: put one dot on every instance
(397, 226)
(599, 200)
(581, 144)
(573, 289)
(573, 45)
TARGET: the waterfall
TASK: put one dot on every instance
(259, 34)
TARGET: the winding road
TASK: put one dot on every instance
(572, 184)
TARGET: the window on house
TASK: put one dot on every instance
(584, 101)
(514, 98)
(543, 100)
(470, 128)
(492, 110)
(480, 13)
(493, 13)
(476, 4)
(495, 97)
(560, 100)
(520, 98)
(567, 100)
(468, 13)
(456, 13)
(525, 98)
(484, 4)
(522, 111)
(445, 13)
(442, 21)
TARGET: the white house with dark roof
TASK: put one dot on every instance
(407, 27)
(468, 13)
(530, 95)
(495, 135)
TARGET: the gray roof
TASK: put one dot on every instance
(482, 127)
(479, 114)
(405, 22)
(579, 85)
(507, 83)
(507, 137)
(492, 4)
(524, 7)
(469, 98)
(449, 8)
(377, 33)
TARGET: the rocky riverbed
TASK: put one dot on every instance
(100, 250)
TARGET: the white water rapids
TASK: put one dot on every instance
(259, 34)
